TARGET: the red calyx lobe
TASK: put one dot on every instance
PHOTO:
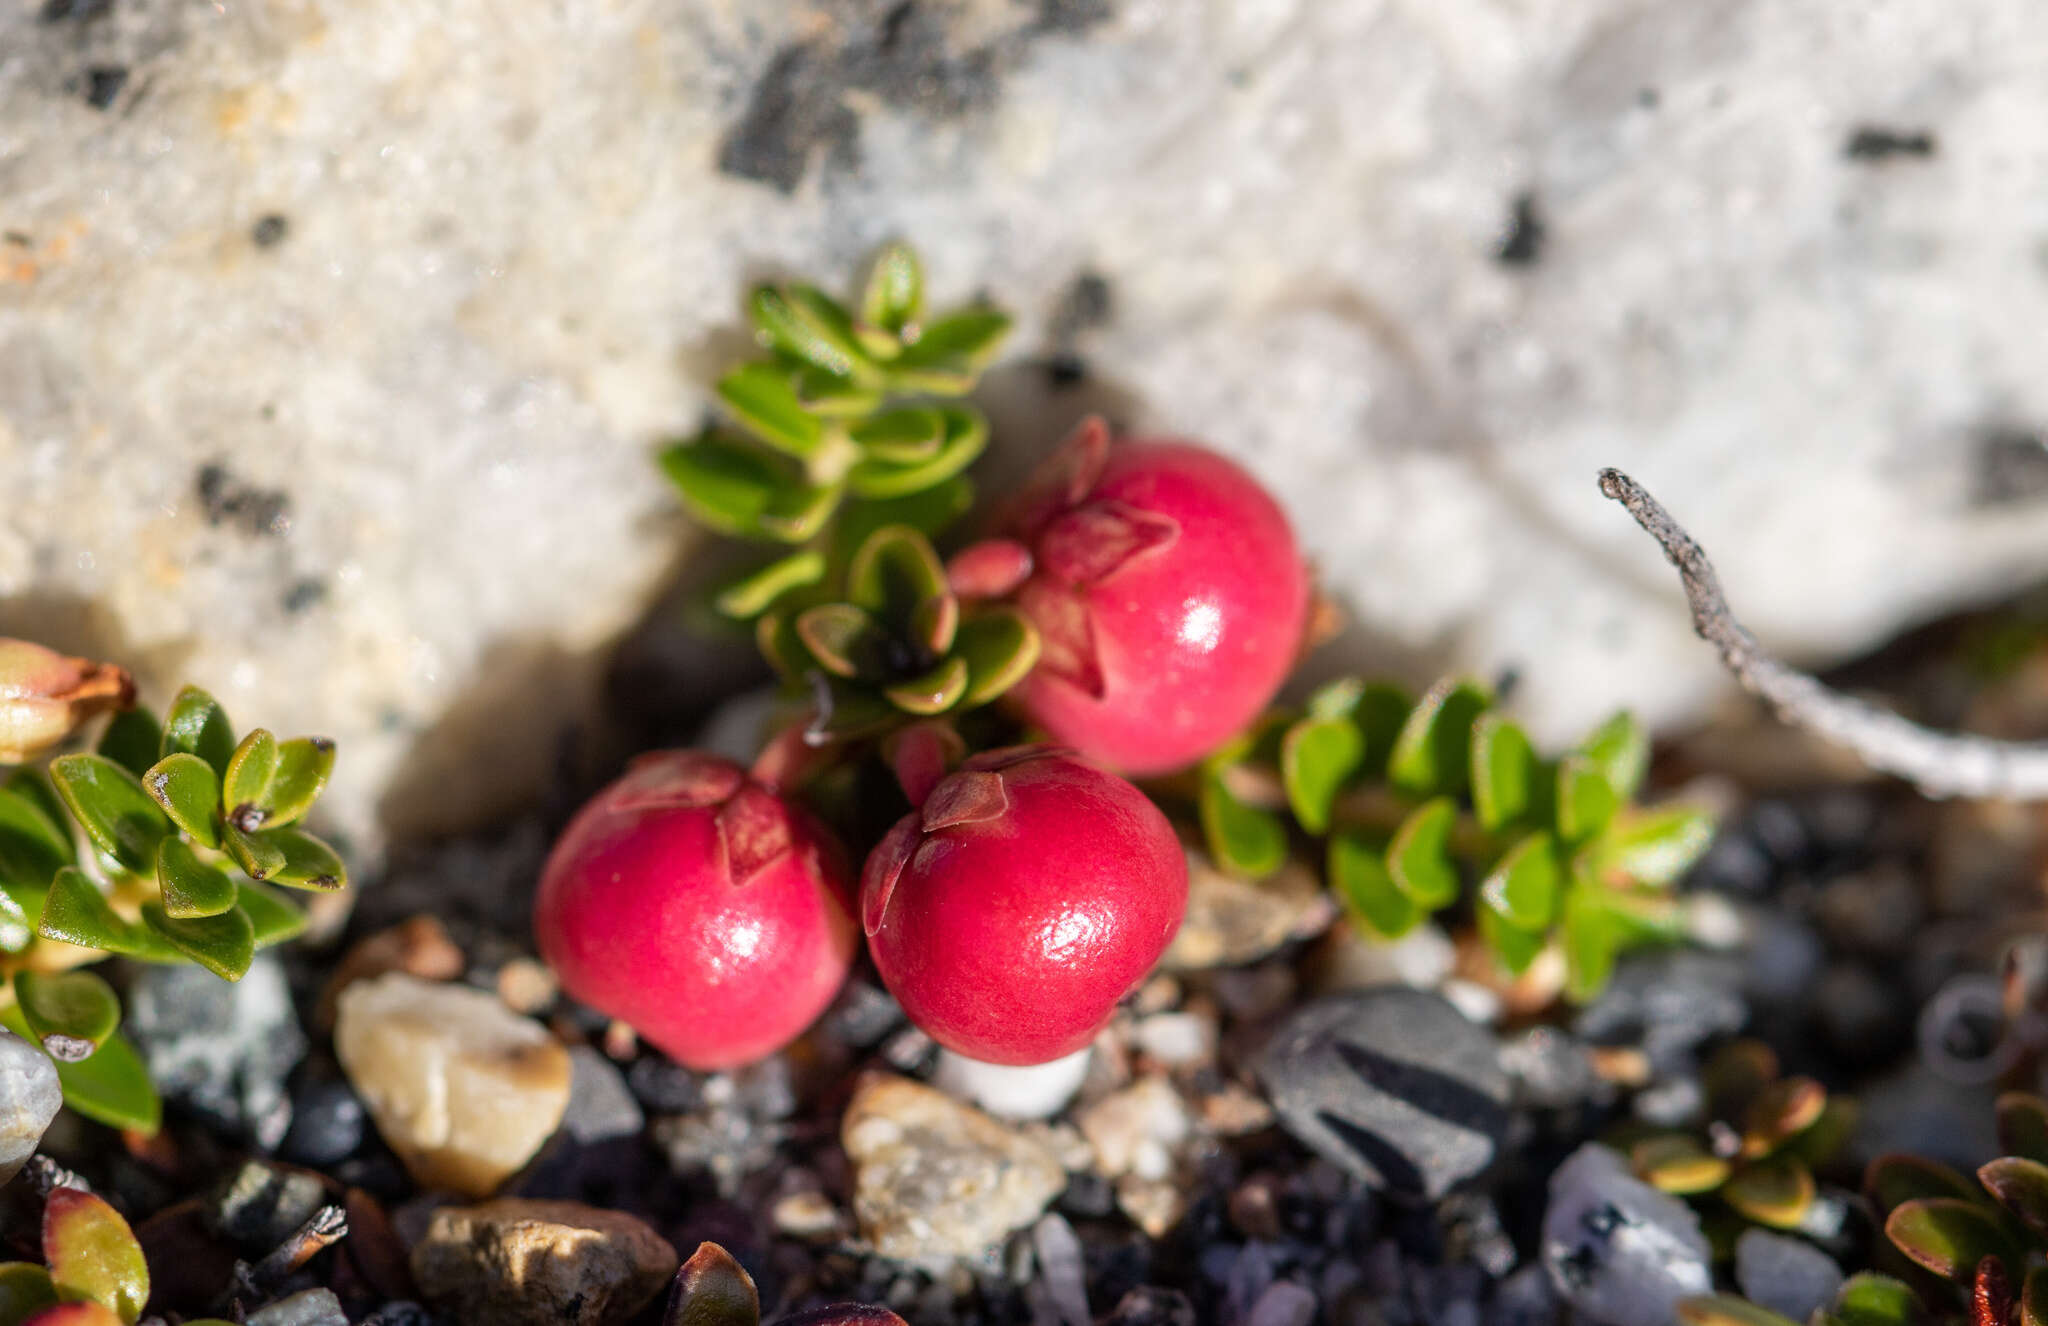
(1030, 893)
(698, 906)
(1170, 596)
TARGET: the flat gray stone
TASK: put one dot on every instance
(1392, 1084)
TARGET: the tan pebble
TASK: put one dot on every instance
(515, 1262)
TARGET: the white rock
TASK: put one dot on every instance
(458, 359)
(1176, 1038)
(1061, 1271)
(1283, 1304)
(30, 1097)
(1621, 1252)
(1785, 1274)
(310, 1307)
(1035, 1091)
(1137, 1130)
(462, 1088)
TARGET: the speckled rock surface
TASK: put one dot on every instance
(334, 338)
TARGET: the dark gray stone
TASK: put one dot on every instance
(259, 1206)
(600, 1104)
(1392, 1084)
(328, 1122)
(1785, 1274)
(221, 1049)
(1667, 1004)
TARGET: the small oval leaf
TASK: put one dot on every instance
(1357, 872)
(2021, 1187)
(1870, 1299)
(1318, 756)
(1243, 839)
(70, 1013)
(247, 780)
(1504, 772)
(1511, 946)
(892, 572)
(32, 847)
(763, 398)
(933, 691)
(1620, 749)
(132, 740)
(726, 486)
(109, 804)
(1433, 752)
(1653, 846)
(1777, 1191)
(190, 887)
(1892, 1180)
(223, 944)
(754, 593)
(965, 438)
(300, 775)
(303, 861)
(189, 791)
(92, 1254)
(197, 725)
(963, 340)
(1000, 647)
(1676, 1163)
(894, 295)
(1585, 799)
(272, 920)
(25, 1289)
(1727, 1310)
(253, 852)
(1946, 1235)
(1527, 883)
(1419, 858)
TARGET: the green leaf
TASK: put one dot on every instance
(132, 740)
(32, 846)
(806, 323)
(930, 513)
(1318, 756)
(258, 857)
(1381, 713)
(250, 770)
(70, 1013)
(111, 1088)
(776, 637)
(1592, 942)
(961, 341)
(1653, 846)
(272, 920)
(111, 806)
(92, 1254)
(933, 691)
(895, 290)
(831, 397)
(1870, 1299)
(2023, 1125)
(223, 944)
(191, 888)
(966, 436)
(20, 906)
(1513, 947)
(798, 511)
(1357, 872)
(1777, 1191)
(1420, 855)
(33, 787)
(1433, 753)
(304, 862)
(2021, 1187)
(1335, 699)
(1948, 1236)
(755, 592)
(1585, 799)
(1892, 1180)
(844, 639)
(76, 912)
(1526, 883)
(1620, 749)
(1676, 1163)
(189, 791)
(303, 766)
(1243, 839)
(1504, 772)
(197, 725)
(893, 572)
(764, 401)
(25, 1289)
(1727, 1310)
(1000, 647)
(725, 486)
(902, 436)
(853, 712)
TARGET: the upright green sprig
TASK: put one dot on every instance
(846, 409)
(182, 821)
(1411, 799)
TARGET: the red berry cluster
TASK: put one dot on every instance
(1032, 887)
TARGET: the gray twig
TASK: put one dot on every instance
(1940, 764)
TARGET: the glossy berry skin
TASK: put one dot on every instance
(1170, 595)
(1030, 892)
(694, 904)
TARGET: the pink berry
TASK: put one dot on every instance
(1029, 893)
(695, 904)
(1170, 597)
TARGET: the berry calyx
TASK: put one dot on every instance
(1168, 593)
(1029, 893)
(694, 903)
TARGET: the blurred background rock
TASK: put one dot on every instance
(336, 338)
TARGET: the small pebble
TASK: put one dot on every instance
(1787, 1275)
(808, 1215)
(462, 1088)
(530, 1263)
(935, 1179)
(1060, 1270)
(311, 1307)
(1232, 921)
(221, 1049)
(260, 1205)
(526, 985)
(1136, 1130)
(1667, 1004)
(600, 1104)
(1176, 1039)
(1283, 1304)
(1036, 1091)
(1621, 1252)
(663, 1086)
(328, 1122)
(1150, 1305)
(1393, 1084)
(1525, 1298)
(30, 1096)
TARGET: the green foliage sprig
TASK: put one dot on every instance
(185, 828)
(1752, 1157)
(1411, 799)
(848, 410)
